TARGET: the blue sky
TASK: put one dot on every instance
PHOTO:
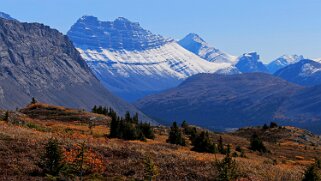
(270, 27)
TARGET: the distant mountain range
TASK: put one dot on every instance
(37, 61)
(221, 101)
(186, 79)
(283, 61)
(133, 62)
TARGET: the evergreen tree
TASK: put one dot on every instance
(135, 118)
(184, 124)
(6, 116)
(273, 125)
(202, 143)
(221, 146)
(147, 130)
(265, 127)
(227, 169)
(33, 101)
(94, 109)
(150, 169)
(175, 135)
(52, 160)
(257, 144)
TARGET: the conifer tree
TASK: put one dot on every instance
(175, 135)
(33, 101)
(202, 143)
(227, 169)
(257, 144)
(52, 160)
(6, 116)
(221, 145)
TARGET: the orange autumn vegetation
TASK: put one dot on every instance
(22, 141)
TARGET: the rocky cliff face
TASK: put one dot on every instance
(37, 61)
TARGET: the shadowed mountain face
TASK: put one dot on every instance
(250, 62)
(133, 62)
(221, 101)
(37, 61)
(306, 72)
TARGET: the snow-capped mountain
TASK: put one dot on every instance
(133, 62)
(198, 46)
(305, 72)
(283, 61)
(250, 62)
(6, 16)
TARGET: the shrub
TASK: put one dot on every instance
(313, 172)
(257, 144)
(203, 143)
(175, 135)
(265, 127)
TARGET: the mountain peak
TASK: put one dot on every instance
(120, 34)
(194, 37)
(197, 45)
(6, 16)
(283, 61)
(250, 62)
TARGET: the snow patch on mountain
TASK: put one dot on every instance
(133, 62)
(283, 61)
(198, 46)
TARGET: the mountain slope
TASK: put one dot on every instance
(6, 16)
(131, 61)
(37, 61)
(306, 72)
(250, 62)
(220, 101)
(198, 46)
(283, 61)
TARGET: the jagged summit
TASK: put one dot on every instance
(194, 43)
(6, 16)
(250, 62)
(121, 34)
(283, 61)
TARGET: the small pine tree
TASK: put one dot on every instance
(202, 143)
(175, 135)
(147, 130)
(227, 169)
(6, 116)
(184, 124)
(150, 169)
(52, 159)
(220, 146)
(265, 127)
(33, 101)
(94, 109)
(273, 125)
(257, 144)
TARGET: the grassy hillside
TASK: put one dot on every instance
(24, 134)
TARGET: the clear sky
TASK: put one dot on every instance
(270, 27)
